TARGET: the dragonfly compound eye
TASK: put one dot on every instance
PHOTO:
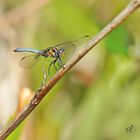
(61, 51)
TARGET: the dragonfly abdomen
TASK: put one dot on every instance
(27, 50)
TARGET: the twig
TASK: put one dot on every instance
(44, 90)
(23, 12)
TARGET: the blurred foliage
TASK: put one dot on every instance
(99, 98)
(119, 38)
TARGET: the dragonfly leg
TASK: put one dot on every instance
(60, 63)
(50, 67)
(52, 63)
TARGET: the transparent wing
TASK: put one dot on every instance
(71, 46)
(29, 61)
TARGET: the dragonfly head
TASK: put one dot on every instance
(61, 51)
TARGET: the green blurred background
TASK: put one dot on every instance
(98, 99)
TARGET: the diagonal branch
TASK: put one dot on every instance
(40, 94)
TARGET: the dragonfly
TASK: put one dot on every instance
(60, 54)
(57, 53)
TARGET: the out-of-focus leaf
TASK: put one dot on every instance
(117, 40)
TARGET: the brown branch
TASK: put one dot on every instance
(23, 12)
(42, 92)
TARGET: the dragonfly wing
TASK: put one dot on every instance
(82, 41)
(70, 49)
(29, 61)
(71, 46)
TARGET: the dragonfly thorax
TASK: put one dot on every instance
(55, 52)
